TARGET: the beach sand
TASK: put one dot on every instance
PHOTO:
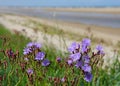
(114, 10)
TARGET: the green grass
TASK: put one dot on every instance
(14, 41)
(13, 75)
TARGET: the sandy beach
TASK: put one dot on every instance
(97, 10)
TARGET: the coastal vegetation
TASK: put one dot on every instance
(24, 62)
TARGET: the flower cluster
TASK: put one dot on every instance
(30, 47)
(32, 52)
(40, 56)
(80, 56)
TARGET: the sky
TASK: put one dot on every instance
(67, 3)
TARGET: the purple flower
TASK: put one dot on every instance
(86, 68)
(27, 51)
(30, 44)
(86, 42)
(30, 71)
(100, 49)
(86, 59)
(83, 48)
(88, 77)
(75, 57)
(69, 62)
(34, 44)
(37, 45)
(30, 47)
(45, 62)
(58, 59)
(79, 64)
(40, 56)
(73, 47)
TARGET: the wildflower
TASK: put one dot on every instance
(30, 77)
(83, 48)
(79, 64)
(99, 48)
(75, 56)
(69, 62)
(40, 56)
(30, 44)
(30, 47)
(58, 59)
(26, 51)
(86, 59)
(30, 71)
(45, 62)
(74, 46)
(86, 68)
(86, 42)
(80, 56)
(34, 45)
(37, 45)
(88, 77)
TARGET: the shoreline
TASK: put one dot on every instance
(110, 10)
